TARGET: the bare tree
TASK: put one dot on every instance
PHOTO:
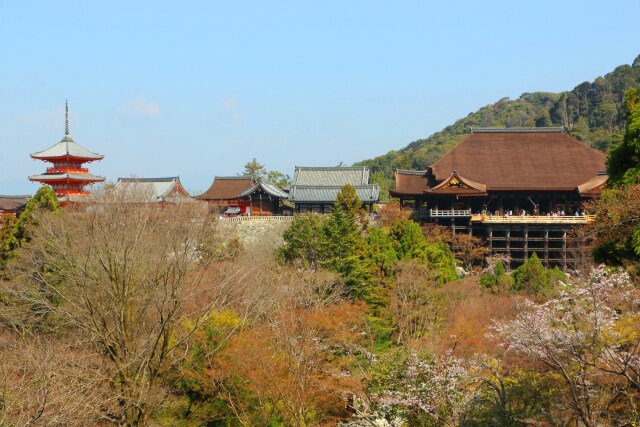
(133, 280)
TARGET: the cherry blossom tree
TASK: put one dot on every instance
(583, 336)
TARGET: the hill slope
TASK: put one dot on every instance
(591, 112)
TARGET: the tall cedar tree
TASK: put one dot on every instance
(345, 245)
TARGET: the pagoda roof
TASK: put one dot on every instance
(159, 189)
(67, 147)
(521, 159)
(227, 188)
(66, 176)
(266, 186)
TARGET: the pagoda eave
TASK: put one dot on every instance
(66, 158)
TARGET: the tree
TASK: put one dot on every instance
(531, 277)
(496, 280)
(254, 170)
(616, 229)
(279, 179)
(304, 241)
(129, 281)
(624, 159)
(584, 337)
(45, 200)
(417, 301)
(421, 389)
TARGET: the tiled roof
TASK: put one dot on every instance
(67, 177)
(67, 147)
(355, 175)
(268, 187)
(159, 189)
(329, 193)
(322, 184)
(226, 188)
(522, 160)
(13, 203)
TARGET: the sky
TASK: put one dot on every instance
(199, 88)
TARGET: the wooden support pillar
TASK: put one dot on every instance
(509, 246)
(526, 242)
(453, 227)
(546, 247)
(564, 249)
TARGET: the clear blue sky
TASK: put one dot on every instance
(198, 88)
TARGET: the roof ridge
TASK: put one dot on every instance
(518, 129)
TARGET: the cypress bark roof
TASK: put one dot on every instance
(226, 188)
(13, 203)
(528, 159)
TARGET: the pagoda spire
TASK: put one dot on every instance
(66, 118)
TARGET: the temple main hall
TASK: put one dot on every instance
(521, 189)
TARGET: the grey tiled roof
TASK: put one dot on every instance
(322, 184)
(355, 175)
(159, 189)
(329, 193)
(67, 147)
(268, 187)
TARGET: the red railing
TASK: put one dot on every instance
(64, 169)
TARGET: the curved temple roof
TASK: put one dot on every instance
(67, 147)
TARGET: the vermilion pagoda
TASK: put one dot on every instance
(67, 177)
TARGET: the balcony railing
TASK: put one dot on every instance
(64, 169)
(449, 213)
(533, 219)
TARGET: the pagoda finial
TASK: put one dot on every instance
(66, 118)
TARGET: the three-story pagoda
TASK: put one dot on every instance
(67, 176)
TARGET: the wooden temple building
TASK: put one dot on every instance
(66, 175)
(521, 189)
(315, 189)
(251, 198)
(13, 205)
(163, 191)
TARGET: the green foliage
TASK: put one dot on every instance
(497, 280)
(45, 199)
(279, 179)
(254, 170)
(624, 159)
(410, 243)
(381, 253)
(590, 112)
(304, 240)
(531, 277)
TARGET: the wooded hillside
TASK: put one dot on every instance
(591, 112)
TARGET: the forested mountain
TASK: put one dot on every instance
(591, 112)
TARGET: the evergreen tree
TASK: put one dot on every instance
(624, 159)
(45, 199)
(304, 241)
(254, 170)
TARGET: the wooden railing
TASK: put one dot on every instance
(449, 213)
(533, 219)
(257, 218)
